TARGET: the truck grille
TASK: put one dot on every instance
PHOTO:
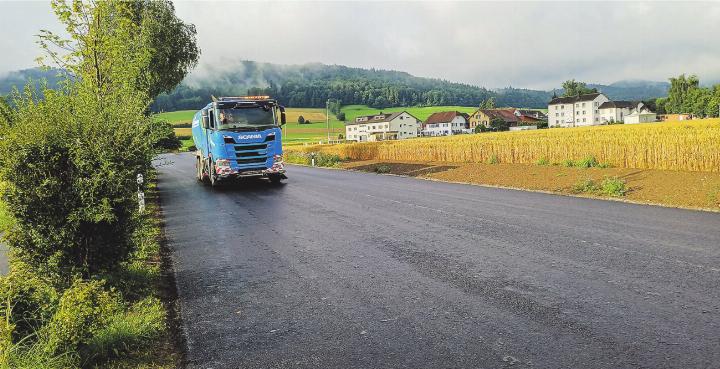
(251, 154)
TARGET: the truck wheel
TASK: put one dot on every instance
(198, 169)
(275, 179)
(213, 176)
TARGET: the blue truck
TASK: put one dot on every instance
(239, 137)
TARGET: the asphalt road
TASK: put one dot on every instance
(339, 269)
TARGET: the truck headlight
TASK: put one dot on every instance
(278, 159)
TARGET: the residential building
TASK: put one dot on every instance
(513, 117)
(576, 111)
(383, 126)
(615, 111)
(445, 123)
(643, 115)
(537, 114)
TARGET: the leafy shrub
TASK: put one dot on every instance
(568, 163)
(70, 167)
(587, 162)
(613, 187)
(586, 186)
(382, 168)
(124, 331)
(84, 309)
(327, 160)
(609, 186)
(27, 300)
(493, 159)
(162, 135)
(543, 161)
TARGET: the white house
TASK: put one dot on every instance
(576, 111)
(445, 123)
(615, 111)
(383, 126)
(640, 116)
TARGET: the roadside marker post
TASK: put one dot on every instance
(141, 194)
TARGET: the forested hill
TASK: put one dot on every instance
(310, 85)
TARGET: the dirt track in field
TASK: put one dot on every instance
(670, 188)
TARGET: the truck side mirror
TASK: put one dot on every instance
(205, 119)
(283, 119)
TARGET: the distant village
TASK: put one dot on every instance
(573, 111)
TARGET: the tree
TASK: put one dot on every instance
(488, 104)
(498, 124)
(173, 44)
(679, 98)
(6, 112)
(340, 116)
(575, 88)
(167, 42)
(301, 119)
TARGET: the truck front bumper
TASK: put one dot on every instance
(262, 173)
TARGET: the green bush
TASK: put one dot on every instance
(327, 160)
(543, 161)
(70, 169)
(613, 187)
(568, 163)
(586, 186)
(493, 159)
(27, 300)
(84, 309)
(610, 186)
(382, 168)
(162, 135)
(587, 162)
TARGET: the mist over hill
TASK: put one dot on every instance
(310, 85)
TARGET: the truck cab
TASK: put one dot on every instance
(239, 137)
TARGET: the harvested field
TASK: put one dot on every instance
(669, 188)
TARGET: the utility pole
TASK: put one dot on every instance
(327, 118)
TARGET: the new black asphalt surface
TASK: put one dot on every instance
(337, 269)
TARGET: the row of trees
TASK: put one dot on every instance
(69, 158)
(686, 96)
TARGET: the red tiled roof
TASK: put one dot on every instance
(507, 115)
(444, 117)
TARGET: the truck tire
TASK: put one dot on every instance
(198, 169)
(275, 179)
(214, 182)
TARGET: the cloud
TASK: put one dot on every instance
(493, 44)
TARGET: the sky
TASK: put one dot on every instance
(490, 44)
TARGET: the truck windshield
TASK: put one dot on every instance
(245, 118)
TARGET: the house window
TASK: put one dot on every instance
(583, 105)
(562, 106)
(583, 120)
(583, 110)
